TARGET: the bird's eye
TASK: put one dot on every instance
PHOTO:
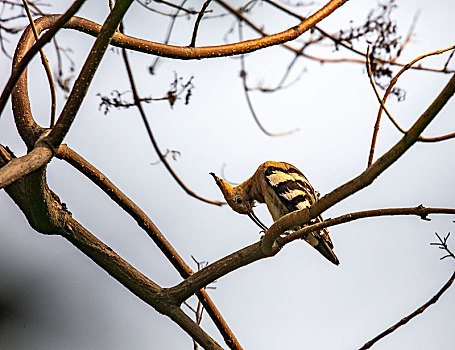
(238, 200)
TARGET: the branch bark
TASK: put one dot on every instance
(31, 131)
(253, 253)
(48, 215)
(406, 319)
(301, 217)
(99, 179)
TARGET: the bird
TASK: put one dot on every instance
(283, 188)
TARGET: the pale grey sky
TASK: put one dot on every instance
(54, 297)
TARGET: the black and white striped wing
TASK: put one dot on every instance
(294, 191)
(291, 187)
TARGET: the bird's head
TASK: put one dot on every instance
(236, 197)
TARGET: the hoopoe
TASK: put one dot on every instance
(283, 188)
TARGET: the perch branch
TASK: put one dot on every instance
(364, 179)
(252, 253)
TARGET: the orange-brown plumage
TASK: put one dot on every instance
(283, 188)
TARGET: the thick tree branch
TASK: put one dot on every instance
(19, 167)
(252, 253)
(48, 215)
(87, 73)
(99, 179)
(301, 217)
(28, 129)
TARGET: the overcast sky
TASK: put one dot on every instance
(54, 297)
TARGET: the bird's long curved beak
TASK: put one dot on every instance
(256, 220)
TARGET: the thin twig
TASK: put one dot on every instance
(45, 64)
(198, 20)
(442, 244)
(137, 102)
(180, 8)
(340, 42)
(384, 99)
(406, 319)
(247, 96)
(152, 67)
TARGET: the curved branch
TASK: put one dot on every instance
(87, 72)
(99, 179)
(252, 253)
(384, 99)
(406, 319)
(243, 75)
(137, 102)
(303, 216)
(28, 129)
(198, 20)
(420, 210)
(46, 214)
(32, 131)
(45, 63)
(187, 53)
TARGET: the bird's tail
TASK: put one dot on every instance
(324, 247)
(322, 243)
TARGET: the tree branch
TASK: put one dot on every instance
(406, 319)
(99, 179)
(303, 216)
(45, 64)
(420, 211)
(187, 53)
(384, 99)
(48, 215)
(28, 129)
(85, 77)
(137, 102)
(252, 253)
(243, 75)
(17, 168)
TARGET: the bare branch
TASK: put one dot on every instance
(29, 130)
(137, 102)
(443, 245)
(17, 168)
(386, 94)
(45, 64)
(406, 319)
(167, 3)
(254, 252)
(420, 211)
(103, 182)
(243, 75)
(85, 77)
(198, 20)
